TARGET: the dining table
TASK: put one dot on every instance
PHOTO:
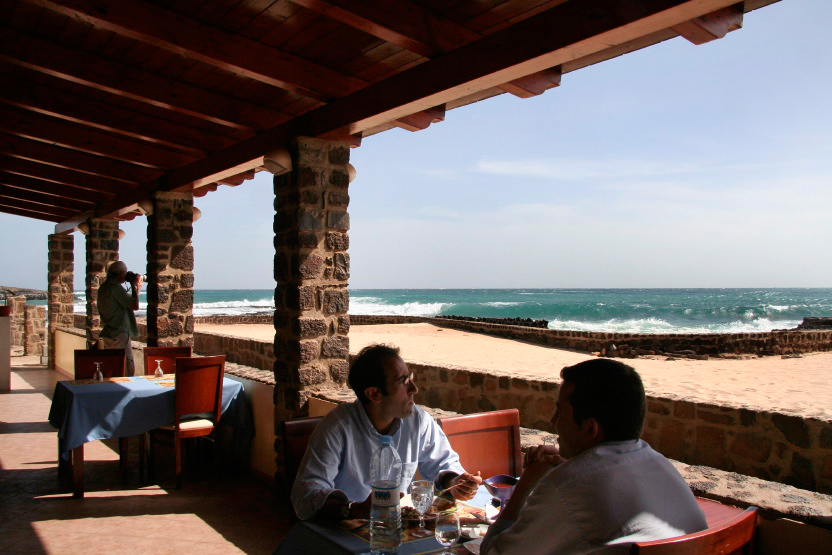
(314, 536)
(86, 410)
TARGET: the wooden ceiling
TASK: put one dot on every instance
(103, 102)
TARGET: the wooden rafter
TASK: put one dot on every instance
(85, 68)
(412, 27)
(153, 25)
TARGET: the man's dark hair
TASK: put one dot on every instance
(609, 391)
(367, 369)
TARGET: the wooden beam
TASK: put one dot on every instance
(712, 26)
(55, 131)
(88, 69)
(52, 101)
(44, 199)
(52, 155)
(49, 188)
(185, 36)
(37, 215)
(83, 181)
(422, 120)
(34, 207)
(418, 30)
(399, 22)
(563, 33)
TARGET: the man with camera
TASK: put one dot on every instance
(116, 308)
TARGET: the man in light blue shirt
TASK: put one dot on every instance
(334, 476)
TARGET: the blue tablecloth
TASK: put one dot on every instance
(106, 410)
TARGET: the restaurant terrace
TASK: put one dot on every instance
(116, 110)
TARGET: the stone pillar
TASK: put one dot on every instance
(170, 271)
(61, 286)
(102, 249)
(311, 268)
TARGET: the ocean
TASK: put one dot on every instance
(607, 310)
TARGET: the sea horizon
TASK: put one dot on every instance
(625, 310)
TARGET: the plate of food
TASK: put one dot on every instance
(440, 505)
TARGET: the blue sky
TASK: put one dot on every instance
(675, 166)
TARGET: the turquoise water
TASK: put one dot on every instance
(613, 310)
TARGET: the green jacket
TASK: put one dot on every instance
(114, 308)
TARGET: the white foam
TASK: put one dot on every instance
(503, 303)
(362, 306)
(659, 326)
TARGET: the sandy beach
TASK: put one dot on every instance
(798, 386)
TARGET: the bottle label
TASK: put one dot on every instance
(385, 497)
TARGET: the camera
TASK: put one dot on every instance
(132, 277)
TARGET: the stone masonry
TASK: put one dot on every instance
(61, 284)
(170, 271)
(311, 268)
(102, 249)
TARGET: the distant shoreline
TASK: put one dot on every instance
(30, 294)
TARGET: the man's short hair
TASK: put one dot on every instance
(609, 391)
(367, 369)
(116, 268)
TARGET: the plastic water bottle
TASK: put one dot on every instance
(385, 515)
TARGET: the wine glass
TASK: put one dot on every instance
(552, 442)
(98, 376)
(159, 373)
(421, 493)
(447, 530)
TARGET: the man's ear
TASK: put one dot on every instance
(373, 394)
(592, 431)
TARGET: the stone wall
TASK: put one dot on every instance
(35, 330)
(17, 319)
(27, 324)
(248, 352)
(267, 318)
(771, 446)
(777, 342)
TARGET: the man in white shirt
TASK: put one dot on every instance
(604, 488)
(334, 476)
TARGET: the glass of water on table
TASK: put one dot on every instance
(421, 493)
(447, 530)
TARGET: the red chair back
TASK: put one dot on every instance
(486, 441)
(167, 355)
(732, 537)
(199, 387)
(114, 363)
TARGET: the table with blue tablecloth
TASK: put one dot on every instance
(310, 537)
(84, 411)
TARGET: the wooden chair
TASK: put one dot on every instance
(732, 537)
(114, 363)
(296, 434)
(486, 441)
(114, 366)
(198, 390)
(167, 355)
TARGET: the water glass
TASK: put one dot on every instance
(447, 530)
(551, 441)
(98, 376)
(421, 493)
